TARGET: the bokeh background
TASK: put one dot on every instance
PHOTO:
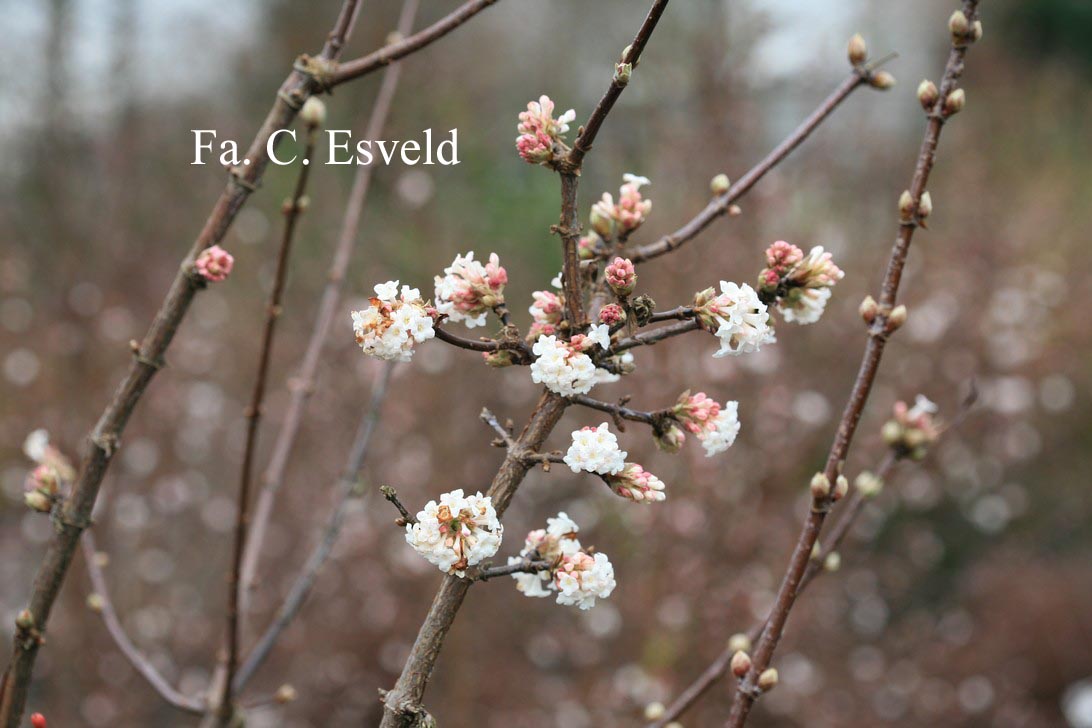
(965, 595)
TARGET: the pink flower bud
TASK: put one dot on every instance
(214, 264)
(621, 276)
(637, 484)
(612, 314)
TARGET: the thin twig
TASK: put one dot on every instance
(786, 596)
(682, 313)
(619, 410)
(75, 512)
(346, 490)
(654, 336)
(303, 383)
(293, 208)
(105, 606)
(526, 566)
(392, 495)
(503, 432)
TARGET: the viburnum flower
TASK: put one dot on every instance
(541, 137)
(214, 264)
(456, 533)
(799, 284)
(913, 429)
(562, 366)
(595, 450)
(637, 484)
(609, 219)
(737, 317)
(588, 245)
(575, 576)
(38, 448)
(468, 290)
(715, 426)
(612, 315)
(621, 276)
(390, 327)
(546, 312)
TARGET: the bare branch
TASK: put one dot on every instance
(105, 606)
(619, 411)
(654, 336)
(392, 495)
(526, 566)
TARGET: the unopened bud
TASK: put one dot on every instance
(768, 679)
(959, 25)
(841, 487)
(955, 102)
(896, 318)
(925, 205)
(313, 112)
(820, 486)
(734, 210)
(868, 484)
(394, 37)
(906, 206)
(720, 184)
(832, 562)
(37, 720)
(881, 80)
(741, 663)
(891, 432)
(868, 309)
(36, 500)
(654, 711)
(739, 642)
(94, 602)
(285, 694)
(24, 620)
(977, 32)
(857, 51)
(622, 72)
(928, 94)
(601, 223)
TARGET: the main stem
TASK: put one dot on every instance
(292, 211)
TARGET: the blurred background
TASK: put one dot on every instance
(965, 594)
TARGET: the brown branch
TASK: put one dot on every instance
(105, 606)
(526, 566)
(345, 491)
(293, 208)
(682, 313)
(385, 56)
(654, 336)
(786, 596)
(720, 204)
(303, 383)
(619, 410)
(75, 512)
(392, 495)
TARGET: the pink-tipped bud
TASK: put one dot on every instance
(928, 94)
(214, 264)
(820, 486)
(24, 620)
(37, 720)
(881, 80)
(741, 663)
(621, 277)
(955, 102)
(612, 315)
(768, 679)
(720, 184)
(857, 51)
(958, 25)
(868, 309)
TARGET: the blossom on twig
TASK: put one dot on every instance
(575, 576)
(714, 425)
(913, 429)
(637, 484)
(545, 312)
(595, 450)
(736, 316)
(214, 264)
(389, 328)
(609, 219)
(562, 366)
(468, 290)
(801, 285)
(457, 532)
(541, 136)
(621, 277)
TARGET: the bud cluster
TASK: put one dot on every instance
(609, 219)
(541, 136)
(577, 577)
(912, 429)
(799, 285)
(468, 290)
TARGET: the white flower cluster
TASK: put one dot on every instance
(725, 427)
(457, 532)
(561, 367)
(742, 318)
(809, 304)
(468, 289)
(577, 577)
(595, 450)
(390, 327)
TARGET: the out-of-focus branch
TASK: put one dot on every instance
(303, 383)
(880, 328)
(345, 491)
(293, 208)
(75, 512)
(105, 606)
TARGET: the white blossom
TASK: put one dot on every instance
(575, 576)
(458, 532)
(582, 578)
(725, 427)
(808, 305)
(561, 368)
(36, 445)
(389, 328)
(599, 334)
(468, 290)
(595, 450)
(737, 317)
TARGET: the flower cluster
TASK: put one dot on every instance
(43, 484)
(612, 315)
(800, 284)
(541, 138)
(468, 290)
(563, 366)
(214, 264)
(913, 429)
(595, 450)
(457, 532)
(637, 484)
(545, 313)
(577, 577)
(609, 219)
(715, 426)
(737, 317)
(390, 327)
(621, 276)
